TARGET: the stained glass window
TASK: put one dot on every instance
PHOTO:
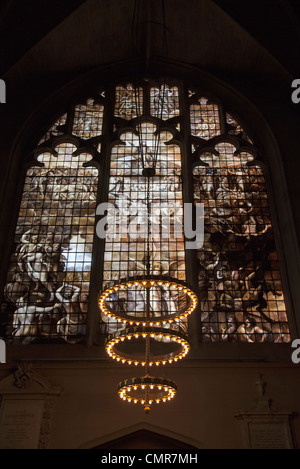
(56, 129)
(205, 120)
(238, 277)
(48, 280)
(126, 243)
(241, 297)
(88, 119)
(164, 102)
(128, 101)
(234, 127)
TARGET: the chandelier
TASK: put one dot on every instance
(143, 337)
(148, 337)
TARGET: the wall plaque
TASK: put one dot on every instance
(272, 435)
(27, 402)
(20, 424)
(263, 427)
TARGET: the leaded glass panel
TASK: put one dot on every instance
(56, 129)
(205, 119)
(126, 242)
(128, 101)
(164, 102)
(240, 288)
(241, 297)
(88, 119)
(48, 280)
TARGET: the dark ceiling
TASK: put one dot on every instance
(275, 24)
(23, 24)
(47, 36)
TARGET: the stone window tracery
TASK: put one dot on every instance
(238, 277)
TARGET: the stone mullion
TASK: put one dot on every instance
(93, 327)
(188, 198)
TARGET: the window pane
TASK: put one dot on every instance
(128, 101)
(164, 102)
(205, 120)
(126, 241)
(56, 129)
(88, 119)
(234, 128)
(241, 296)
(48, 280)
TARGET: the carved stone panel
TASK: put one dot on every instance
(266, 431)
(27, 402)
(264, 427)
(20, 423)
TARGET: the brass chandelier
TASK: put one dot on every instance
(140, 341)
(147, 337)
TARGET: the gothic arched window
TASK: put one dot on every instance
(204, 156)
